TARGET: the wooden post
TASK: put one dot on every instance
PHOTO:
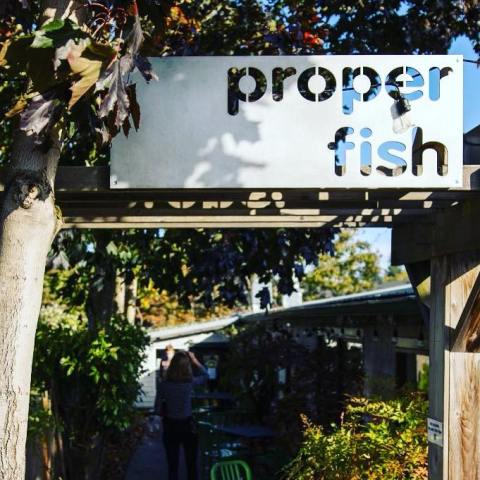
(454, 391)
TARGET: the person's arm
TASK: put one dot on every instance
(202, 374)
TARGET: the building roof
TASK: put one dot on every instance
(166, 333)
(400, 299)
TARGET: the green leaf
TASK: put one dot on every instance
(53, 25)
(57, 33)
(41, 40)
(111, 248)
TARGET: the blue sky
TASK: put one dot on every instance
(380, 237)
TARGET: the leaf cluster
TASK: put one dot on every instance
(75, 76)
(205, 267)
(40, 418)
(93, 376)
(161, 308)
(82, 75)
(353, 267)
(216, 265)
(377, 440)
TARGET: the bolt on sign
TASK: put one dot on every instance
(297, 122)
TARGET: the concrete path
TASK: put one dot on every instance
(149, 461)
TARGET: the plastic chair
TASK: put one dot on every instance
(231, 470)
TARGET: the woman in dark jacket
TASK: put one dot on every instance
(178, 425)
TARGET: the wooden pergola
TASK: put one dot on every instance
(86, 201)
(436, 235)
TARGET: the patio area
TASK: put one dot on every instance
(219, 439)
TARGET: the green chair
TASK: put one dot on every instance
(231, 470)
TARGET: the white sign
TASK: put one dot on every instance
(297, 122)
(435, 431)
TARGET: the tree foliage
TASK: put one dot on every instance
(57, 73)
(353, 267)
(198, 266)
(77, 74)
(93, 380)
(163, 309)
(395, 273)
(72, 76)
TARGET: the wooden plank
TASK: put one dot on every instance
(452, 230)
(202, 223)
(215, 224)
(228, 220)
(419, 276)
(466, 337)
(85, 196)
(379, 358)
(156, 211)
(463, 418)
(454, 384)
(412, 243)
(464, 443)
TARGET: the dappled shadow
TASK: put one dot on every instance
(204, 155)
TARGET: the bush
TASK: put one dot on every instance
(376, 440)
(93, 380)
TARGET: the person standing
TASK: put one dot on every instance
(161, 373)
(165, 362)
(178, 424)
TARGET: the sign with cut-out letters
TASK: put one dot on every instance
(358, 121)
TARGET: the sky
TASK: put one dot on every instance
(380, 238)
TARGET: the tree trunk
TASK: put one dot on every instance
(28, 225)
(131, 299)
(119, 294)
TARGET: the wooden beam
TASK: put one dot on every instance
(85, 197)
(466, 336)
(176, 222)
(411, 243)
(454, 386)
(379, 358)
(447, 232)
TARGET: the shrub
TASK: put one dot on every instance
(93, 380)
(376, 440)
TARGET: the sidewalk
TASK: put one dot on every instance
(149, 461)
